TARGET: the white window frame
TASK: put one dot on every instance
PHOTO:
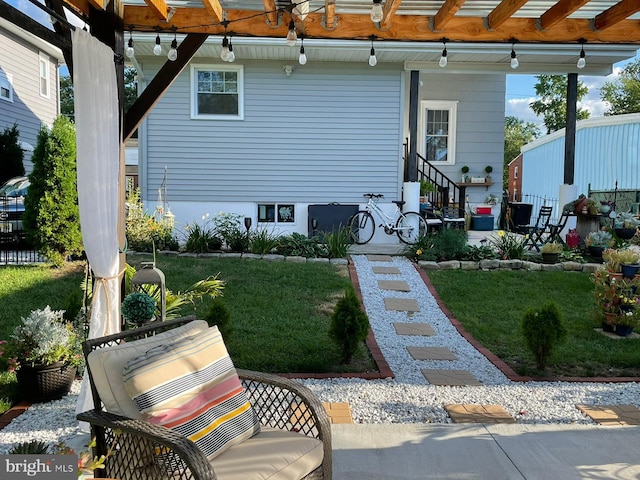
(452, 107)
(195, 68)
(515, 172)
(44, 75)
(6, 81)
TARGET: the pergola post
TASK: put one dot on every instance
(570, 128)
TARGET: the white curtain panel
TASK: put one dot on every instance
(98, 160)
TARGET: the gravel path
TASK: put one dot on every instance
(406, 399)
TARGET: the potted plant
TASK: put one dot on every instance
(138, 308)
(425, 188)
(625, 225)
(465, 170)
(597, 242)
(550, 252)
(44, 351)
(628, 259)
(488, 169)
(617, 301)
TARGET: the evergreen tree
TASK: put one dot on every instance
(552, 105)
(11, 154)
(51, 218)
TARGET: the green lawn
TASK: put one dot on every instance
(490, 305)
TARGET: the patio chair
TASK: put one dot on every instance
(294, 437)
(538, 232)
(451, 217)
(555, 230)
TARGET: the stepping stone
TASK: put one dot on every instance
(396, 285)
(401, 304)
(612, 414)
(431, 353)
(379, 258)
(421, 329)
(468, 413)
(386, 270)
(339, 412)
(449, 377)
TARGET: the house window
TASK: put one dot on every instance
(439, 131)
(515, 172)
(217, 92)
(44, 75)
(276, 213)
(6, 87)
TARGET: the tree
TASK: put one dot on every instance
(51, 216)
(516, 134)
(623, 94)
(66, 92)
(553, 104)
(11, 154)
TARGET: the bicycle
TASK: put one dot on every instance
(408, 226)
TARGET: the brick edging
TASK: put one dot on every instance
(498, 362)
(13, 412)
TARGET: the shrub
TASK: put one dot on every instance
(51, 217)
(543, 330)
(218, 314)
(475, 253)
(509, 245)
(299, 245)
(228, 227)
(202, 238)
(11, 154)
(263, 241)
(349, 324)
(143, 231)
(337, 242)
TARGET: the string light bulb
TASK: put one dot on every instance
(443, 58)
(582, 61)
(376, 11)
(292, 37)
(302, 59)
(514, 58)
(232, 56)
(373, 61)
(130, 52)
(173, 51)
(224, 53)
(157, 48)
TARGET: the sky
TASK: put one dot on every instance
(520, 90)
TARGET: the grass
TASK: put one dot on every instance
(490, 305)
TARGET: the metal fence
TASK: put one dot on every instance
(539, 201)
(14, 247)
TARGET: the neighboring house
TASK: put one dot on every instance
(267, 138)
(607, 154)
(29, 84)
(515, 179)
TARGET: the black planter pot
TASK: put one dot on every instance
(629, 270)
(596, 252)
(624, 330)
(43, 383)
(549, 258)
(625, 233)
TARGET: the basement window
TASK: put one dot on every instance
(276, 213)
(217, 92)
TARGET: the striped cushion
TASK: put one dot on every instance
(192, 387)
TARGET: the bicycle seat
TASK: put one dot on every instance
(399, 202)
(373, 195)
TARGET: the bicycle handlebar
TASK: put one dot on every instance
(373, 195)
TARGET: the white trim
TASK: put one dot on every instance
(452, 107)
(8, 85)
(239, 69)
(44, 75)
(588, 123)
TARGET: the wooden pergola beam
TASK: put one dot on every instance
(503, 12)
(330, 14)
(616, 14)
(214, 9)
(560, 11)
(25, 22)
(160, 8)
(446, 13)
(404, 28)
(271, 12)
(388, 13)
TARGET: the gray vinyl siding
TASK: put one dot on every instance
(327, 133)
(29, 109)
(480, 123)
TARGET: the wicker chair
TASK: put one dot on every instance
(141, 450)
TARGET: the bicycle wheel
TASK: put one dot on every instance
(361, 227)
(410, 226)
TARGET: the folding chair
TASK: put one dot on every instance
(434, 221)
(555, 230)
(537, 232)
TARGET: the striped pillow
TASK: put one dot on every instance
(192, 387)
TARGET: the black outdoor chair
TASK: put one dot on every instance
(555, 230)
(540, 230)
(452, 218)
